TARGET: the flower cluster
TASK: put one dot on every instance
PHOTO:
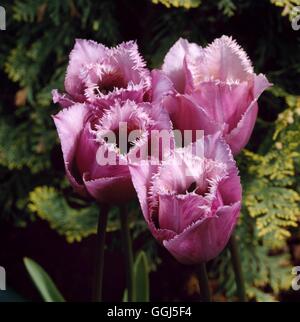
(115, 119)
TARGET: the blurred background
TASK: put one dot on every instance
(41, 217)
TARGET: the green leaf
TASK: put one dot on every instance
(141, 276)
(49, 204)
(125, 296)
(43, 282)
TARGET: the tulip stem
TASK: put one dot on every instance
(204, 286)
(125, 229)
(101, 231)
(237, 267)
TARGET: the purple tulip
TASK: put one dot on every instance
(99, 75)
(84, 130)
(217, 89)
(190, 202)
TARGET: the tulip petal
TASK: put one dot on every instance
(70, 123)
(178, 212)
(161, 86)
(205, 239)
(230, 189)
(240, 135)
(186, 114)
(86, 151)
(260, 84)
(110, 190)
(216, 148)
(141, 175)
(131, 63)
(224, 60)
(84, 52)
(62, 99)
(224, 103)
(174, 65)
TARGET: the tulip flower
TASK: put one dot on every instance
(97, 166)
(99, 75)
(217, 89)
(191, 201)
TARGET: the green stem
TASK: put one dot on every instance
(125, 229)
(101, 231)
(237, 267)
(204, 286)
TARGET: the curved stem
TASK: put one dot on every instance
(125, 229)
(237, 267)
(204, 286)
(100, 245)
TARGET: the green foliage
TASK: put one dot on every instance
(43, 282)
(271, 196)
(288, 7)
(179, 3)
(75, 218)
(227, 7)
(265, 275)
(35, 58)
(141, 279)
(276, 209)
(141, 276)
(73, 223)
(271, 206)
(266, 272)
(22, 148)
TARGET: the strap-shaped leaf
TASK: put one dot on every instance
(125, 296)
(43, 282)
(141, 275)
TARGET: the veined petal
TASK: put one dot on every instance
(110, 189)
(70, 123)
(224, 60)
(186, 114)
(224, 103)
(131, 63)
(174, 63)
(178, 212)
(205, 239)
(87, 153)
(260, 84)
(216, 148)
(141, 175)
(161, 86)
(239, 136)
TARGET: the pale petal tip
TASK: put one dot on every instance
(227, 60)
(230, 43)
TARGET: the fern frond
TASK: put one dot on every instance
(74, 224)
